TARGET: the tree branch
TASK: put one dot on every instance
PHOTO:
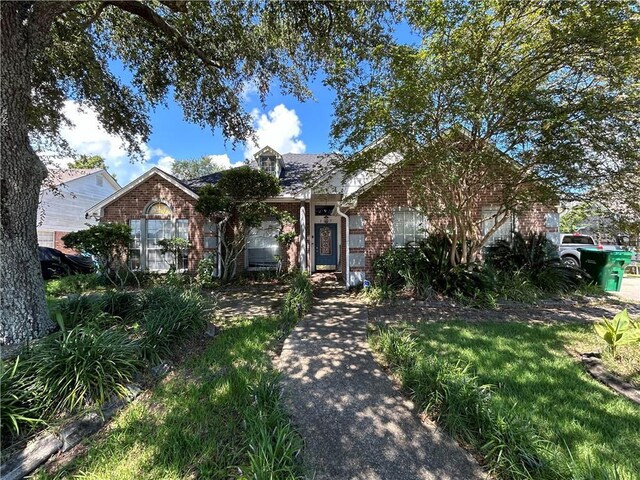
(151, 17)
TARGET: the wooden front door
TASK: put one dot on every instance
(326, 236)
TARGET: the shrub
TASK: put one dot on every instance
(207, 272)
(80, 309)
(298, 299)
(18, 398)
(172, 315)
(622, 330)
(72, 284)
(82, 365)
(537, 257)
(121, 303)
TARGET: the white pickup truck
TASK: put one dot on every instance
(571, 242)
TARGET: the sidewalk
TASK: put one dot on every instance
(355, 423)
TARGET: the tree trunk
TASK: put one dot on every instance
(24, 310)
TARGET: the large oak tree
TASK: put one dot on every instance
(202, 53)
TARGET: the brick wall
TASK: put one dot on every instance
(131, 206)
(59, 244)
(376, 207)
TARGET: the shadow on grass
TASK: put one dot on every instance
(193, 425)
(534, 372)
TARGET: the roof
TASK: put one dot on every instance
(66, 175)
(298, 169)
(153, 171)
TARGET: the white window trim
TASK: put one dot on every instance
(143, 241)
(246, 253)
(416, 234)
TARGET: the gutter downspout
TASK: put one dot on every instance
(346, 256)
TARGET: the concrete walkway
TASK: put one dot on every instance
(355, 423)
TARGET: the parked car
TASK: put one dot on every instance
(571, 242)
(55, 263)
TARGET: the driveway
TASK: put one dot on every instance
(630, 289)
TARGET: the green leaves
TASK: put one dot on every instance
(622, 330)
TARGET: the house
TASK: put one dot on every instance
(65, 199)
(342, 225)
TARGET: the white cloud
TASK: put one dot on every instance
(223, 160)
(280, 128)
(87, 137)
(166, 163)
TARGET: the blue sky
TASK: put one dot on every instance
(283, 123)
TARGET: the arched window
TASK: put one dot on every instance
(159, 209)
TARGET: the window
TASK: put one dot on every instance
(488, 222)
(135, 247)
(45, 239)
(408, 226)
(269, 165)
(159, 209)
(144, 250)
(578, 239)
(262, 246)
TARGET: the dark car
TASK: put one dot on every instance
(54, 263)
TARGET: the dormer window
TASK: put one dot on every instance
(269, 161)
(269, 165)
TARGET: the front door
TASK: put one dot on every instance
(326, 246)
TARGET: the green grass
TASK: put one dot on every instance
(218, 416)
(532, 372)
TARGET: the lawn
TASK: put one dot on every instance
(532, 372)
(217, 416)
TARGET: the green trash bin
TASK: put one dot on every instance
(606, 267)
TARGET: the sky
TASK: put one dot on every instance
(284, 123)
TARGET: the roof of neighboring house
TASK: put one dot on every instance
(66, 175)
(298, 169)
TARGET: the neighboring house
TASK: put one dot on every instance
(342, 225)
(65, 200)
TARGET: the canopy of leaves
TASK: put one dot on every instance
(204, 53)
(108, 242)
(88, 161)
(199, 167)
(539, 80)
(240, 190)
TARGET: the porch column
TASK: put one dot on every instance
(302, 255)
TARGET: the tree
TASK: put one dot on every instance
(108, 243)
(187, 169)
(237, 203)
(204, 53)
(88, 161)
(513, 96)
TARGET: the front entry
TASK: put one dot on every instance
(326, 235)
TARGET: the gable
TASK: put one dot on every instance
(139, 188)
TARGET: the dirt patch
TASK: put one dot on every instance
(579, 309)
(258, 300)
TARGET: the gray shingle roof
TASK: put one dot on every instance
(299, 169)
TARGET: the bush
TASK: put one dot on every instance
(121, 303)
(82, 365)
(171, 316)
(207, 272)
(536, 257)
(298, 299)
(72, 284)
(18, 398)
(80, 309)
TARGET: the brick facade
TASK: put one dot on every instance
(132, 205)
(376, 208)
